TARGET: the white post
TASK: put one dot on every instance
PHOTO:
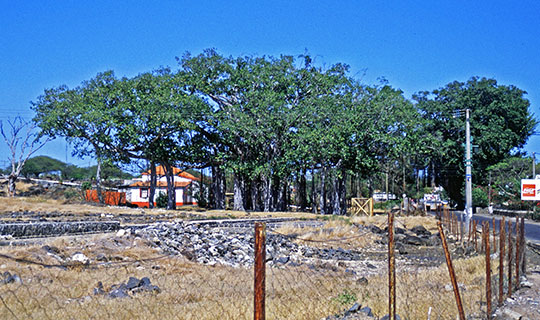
(468, 173)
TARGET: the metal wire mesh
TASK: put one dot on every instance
(323, 270)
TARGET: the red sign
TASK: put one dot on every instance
(529, 190)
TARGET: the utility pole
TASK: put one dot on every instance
(490, 208)
(468, 172)
(534, 165)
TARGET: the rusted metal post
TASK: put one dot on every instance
(510, 260)
(452, 273)
(391, 269)
(488, 271)
(475, 236)
(494, 236)
(260, 271)
(482, 242)
(502, 226)
(458, 222)
(518, 253)
(456, 229)
(524, 246)
(470, 232)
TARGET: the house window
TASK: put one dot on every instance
(144, 193)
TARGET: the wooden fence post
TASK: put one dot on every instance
(260, 271)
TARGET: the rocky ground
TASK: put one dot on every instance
(525, 303)
(231, 244)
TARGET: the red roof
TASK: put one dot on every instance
(160, 171)
(160, 184)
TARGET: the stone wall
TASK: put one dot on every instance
(44, 229)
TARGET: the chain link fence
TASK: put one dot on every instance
(335, 269)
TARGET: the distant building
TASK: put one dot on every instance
(383, 196)
(185, 184)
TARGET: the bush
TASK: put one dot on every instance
(479, 197)
(386, 205)
(87, 185)
(71, 194)
(345, 298)
(161, 200)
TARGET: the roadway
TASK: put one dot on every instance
(532, 228)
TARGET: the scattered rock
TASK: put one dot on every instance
(511, 315)
(101, 257)
(132, 283)
(355, 308)
(80, 257)
(362, 281)
(123, 290)
(118, 293)
(367, 311)
(282, 260)
(413, 240)
(11, 278)
(99, 289)
(51, 249)
(421, 231)
(121, 233)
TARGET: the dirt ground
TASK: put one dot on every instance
(525, 303)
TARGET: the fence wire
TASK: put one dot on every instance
(321, 270)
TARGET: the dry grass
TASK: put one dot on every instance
(40, 204)
(189, 290)
(194, 291)
(418, 291)
(334, 233)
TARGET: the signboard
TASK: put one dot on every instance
(530, 189)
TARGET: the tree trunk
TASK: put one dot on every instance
(171, 192)
(432, 175)
(313, 192)
(322, 194)
(277, 193)
(343, 193)
(98, 181)
(267, 194)
(202, 202)
(302, 197)
(12, 179)
(218, 188)
(255, 194)
(284, 196)
(238, 192)
(153, 182)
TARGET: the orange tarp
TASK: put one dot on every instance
(112, 198)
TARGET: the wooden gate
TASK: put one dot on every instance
(361, 206)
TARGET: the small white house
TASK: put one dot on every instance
(185, 185)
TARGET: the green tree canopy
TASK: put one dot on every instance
(501, 123)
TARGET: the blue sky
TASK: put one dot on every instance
(415, 45)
